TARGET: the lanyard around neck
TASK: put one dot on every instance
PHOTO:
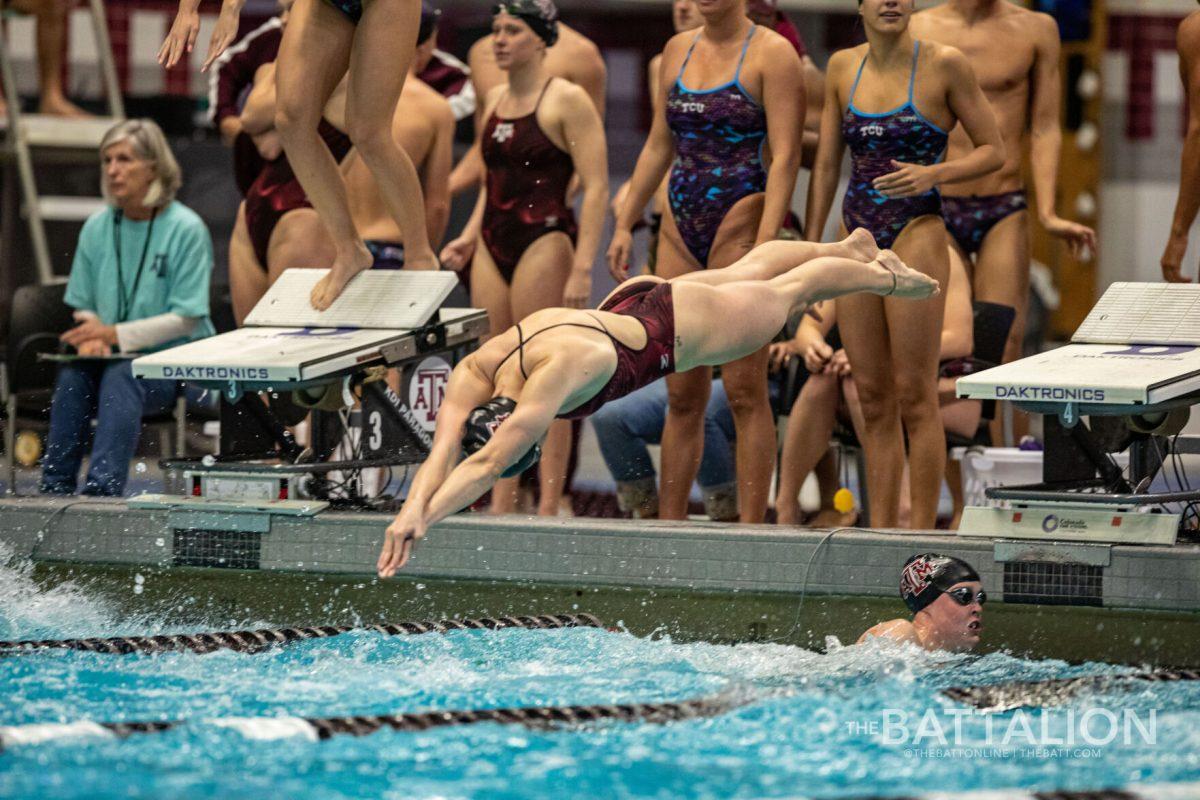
(124, 299)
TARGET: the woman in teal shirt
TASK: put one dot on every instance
(139, 283)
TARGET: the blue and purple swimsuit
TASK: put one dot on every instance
(719, 137)
(875, 140)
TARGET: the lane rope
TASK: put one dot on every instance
(1032, 694)
(254, 641)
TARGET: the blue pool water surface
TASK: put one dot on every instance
(806, 730)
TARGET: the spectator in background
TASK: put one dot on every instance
(626, 426)
(51, 16)
(139, 283)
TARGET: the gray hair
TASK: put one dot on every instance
(150, 145)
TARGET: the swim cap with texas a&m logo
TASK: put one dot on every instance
(926, 575)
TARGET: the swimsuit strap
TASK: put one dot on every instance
(857, 78)
(542, 93)
(522, 341)
(737, 76)
(912, 78)
(687, 58)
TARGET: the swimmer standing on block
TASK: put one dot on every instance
(946, 597)
(566, 363)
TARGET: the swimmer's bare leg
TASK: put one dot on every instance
(772, 259)
(313, 57)
(759, 309)
(384, 46)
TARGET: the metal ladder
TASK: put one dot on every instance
(79, 137)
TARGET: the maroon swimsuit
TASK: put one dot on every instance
(527, 179)
(649, 302)
(277, 191)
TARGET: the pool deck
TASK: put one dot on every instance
(705, 557)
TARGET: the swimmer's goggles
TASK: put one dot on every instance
(962, 595)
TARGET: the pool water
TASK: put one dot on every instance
(812, 725)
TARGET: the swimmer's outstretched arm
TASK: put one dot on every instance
(542, 397)
(467, 388)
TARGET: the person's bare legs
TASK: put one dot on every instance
(247, 277)
(687, 393)
(313, 58)
(745, 378)
(916, 330)
(805, 442)
(772, 259)
(490, 292)
(384, 44)
(538, 282)
(682, 439)
(51, 16)
(1002, 276)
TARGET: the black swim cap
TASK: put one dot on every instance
(482, 424)
(429, 21)
(926, 575)
(541, 15)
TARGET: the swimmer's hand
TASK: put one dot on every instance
(1172, 259)
(839, 365)
(223, 33)
(817, 356)
(578, 290)
(1079, 238)
(180, 39)
(398, 541)
(909, 180)
(779, 353)
(618, 254)
(458, 253)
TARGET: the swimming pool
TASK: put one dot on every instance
(810, 724)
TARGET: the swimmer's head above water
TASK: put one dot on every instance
(946, 597)
(482, 424)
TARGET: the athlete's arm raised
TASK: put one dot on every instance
(785, 104)
(970, 107)
(583, 132)
(827, 166)
(1045, 136)
(652, 164)
(1188, 202)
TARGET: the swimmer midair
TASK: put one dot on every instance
(562, 362)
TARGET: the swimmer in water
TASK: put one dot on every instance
(946, 598)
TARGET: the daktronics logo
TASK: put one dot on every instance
(427, 390)
(1049, 393)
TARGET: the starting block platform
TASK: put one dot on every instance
(380, 318)
(1136, 357)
